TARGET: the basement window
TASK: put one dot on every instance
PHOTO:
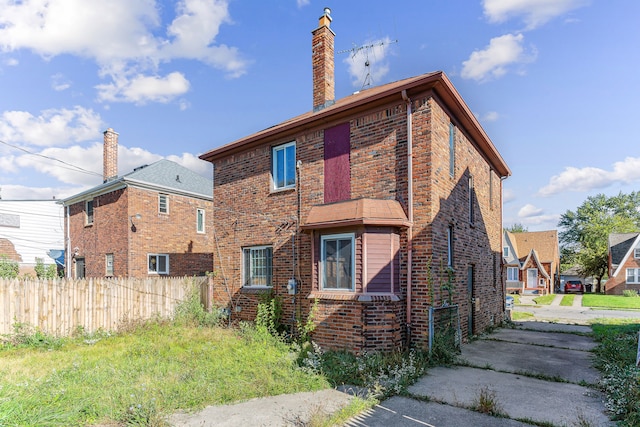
(258, 266)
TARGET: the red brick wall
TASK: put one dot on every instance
(248, 214)
(616, 285)
(190, 253)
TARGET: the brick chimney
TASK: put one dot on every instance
(322, 59)
(110, 155)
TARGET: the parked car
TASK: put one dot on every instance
(509, 302)
(573, 286)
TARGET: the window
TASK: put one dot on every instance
(163, 203)
(633, 275)
(452, 151)
(88, 210)
(337, 257)
(512, 274)
(158, 263)
(471, 201)
(450, 246)
(636, 252)
(200, 220)
(284, 166)
(108, 262)
(505, 251)
(258, 261)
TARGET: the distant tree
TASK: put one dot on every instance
(517, 228)
(584, 233)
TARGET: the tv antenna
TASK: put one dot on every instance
(368, 80)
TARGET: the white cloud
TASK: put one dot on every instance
(508, 195)
(490, 116)
(142, 89)
(22, 192)
(302, 3)
(194, 163)
(59, 82)
(374, 53)
(496, 58)
(529, 210)
(11, 62)
(590, 178)
(51, 127)
(533, 12)
(124, 38)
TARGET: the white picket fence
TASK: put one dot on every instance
(60, 306)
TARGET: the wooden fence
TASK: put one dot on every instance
(60, 306)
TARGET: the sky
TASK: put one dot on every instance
(554, 83)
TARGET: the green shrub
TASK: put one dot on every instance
(630, 293)
(45, 271)
(269, 314)
(8, 268)
(191, 312)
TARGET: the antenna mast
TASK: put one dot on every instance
(366, 48)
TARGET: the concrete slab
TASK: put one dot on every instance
(406, 412)
(519, 397)
(553, 327)
(570, 365)
(553, 339)
(284, 410)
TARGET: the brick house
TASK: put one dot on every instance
(363, 204)
(153, 221)
(531, 261)
(624, 263)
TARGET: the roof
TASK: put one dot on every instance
(619, 245)
(367, 99)
(356, 212)
(545, 244)
(163, 175)
(533, 254)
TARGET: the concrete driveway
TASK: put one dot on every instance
(534, 374)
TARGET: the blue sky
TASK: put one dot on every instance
(555, 83)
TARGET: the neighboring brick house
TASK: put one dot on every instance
(156, 220)
(363, 202)
(624, 263)
(531, 261)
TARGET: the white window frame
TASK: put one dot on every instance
(108, 265)
(323, 254)
(166, 203)
(89, 217)
(200, 220)
(636, 252)
(249, 263)
(510, 272)
(275, 166)
(157, 258)
(635, 276)
(505, 252)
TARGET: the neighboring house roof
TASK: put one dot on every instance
(367, 99)
(163, 176)
(510, 242)
(545, 244)
(621, 247)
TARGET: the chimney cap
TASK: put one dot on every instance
(327, 11)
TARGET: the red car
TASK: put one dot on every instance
(573, 286)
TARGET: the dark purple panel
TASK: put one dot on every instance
(337, 170)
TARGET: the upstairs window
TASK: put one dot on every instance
(88, 210)
(471, 201)
(200, 220)
(337, 257)
(450, 246)
(636, 252)
(163, 203)
(108, 264)
(452, 150)
(158, 263)
(505, 251)
(633, 275)
(284, 166)
(258, 266)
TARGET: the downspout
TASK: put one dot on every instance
(69, 263)
(410, 212)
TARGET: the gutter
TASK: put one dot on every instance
(410, 212)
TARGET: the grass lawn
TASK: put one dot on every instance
(137, 378)
(610, 301)
(520, 315)
(567, 300)
(544, 300)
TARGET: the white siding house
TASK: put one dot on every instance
(31, 229)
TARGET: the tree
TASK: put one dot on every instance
(584, 233)
(8, 268)
(517, 228)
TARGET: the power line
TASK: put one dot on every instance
(76, 168)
